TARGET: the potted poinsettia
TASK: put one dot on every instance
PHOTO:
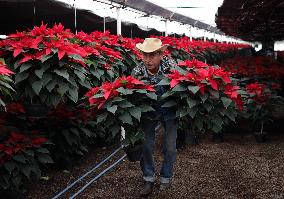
(49, 67)
(5, 82)
(205, 96)
(260, 97)
(121, 104)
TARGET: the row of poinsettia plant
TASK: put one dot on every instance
(56, 68)
(262, 79)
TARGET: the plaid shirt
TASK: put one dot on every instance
(140, 71)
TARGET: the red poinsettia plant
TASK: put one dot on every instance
(205, 96)
(121, 104)
(258, 104)
(21, 156)
(5, 82)
(48, 65)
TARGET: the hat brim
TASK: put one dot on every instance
(141, 48)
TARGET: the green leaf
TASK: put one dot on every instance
(125, 104)
(216, 128)
(55, 99)
(44, 158)
(29, 152)
(50, 86)
(17, 181)
(135, 112)
(45, 57)
(192, 112)
(39, 72)
(214, 93)
(73, 94)
(179, 88)
(62, 73)
(112, 109)
(26, 170)
(76, 57)
(114, 130)
(116, 99)
(67, 137)
(87, 132)
(193, 89)
(146, 108)
(81, 75)
(152, 95)
(182, 112)
(19, 158)
(141, 91)
(75, 131)
(125, 91)
(198, 123)
(163, 82)
(169, 103)
(25, 66)
(208, 106)
(229, 114)
(20, 77)
(217, 120)
(101, 117)
(42, 150)
(191, 102)
(166, 94)
(204, 97)
(46, 79)
(10, 166)
(62, 88)
(226, 101)
(126, 118)
(37, 86)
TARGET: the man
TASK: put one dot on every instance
(153, 68)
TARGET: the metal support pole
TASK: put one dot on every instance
(104, 24)
(190, 33)
(118, 25)
(166, 27)
(75, 16)
(204, 35)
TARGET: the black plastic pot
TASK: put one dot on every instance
(36, 110)
(260, 137)
(218, 137)
(134, 153)
(186, 138)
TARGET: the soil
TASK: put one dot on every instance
(237, 168)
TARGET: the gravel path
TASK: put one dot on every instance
(237, 168)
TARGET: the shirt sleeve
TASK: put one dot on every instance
(169, 64)
(137, 72)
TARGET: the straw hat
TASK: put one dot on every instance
(151, 45)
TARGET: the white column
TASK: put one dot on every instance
(204, 35)
(190, 33)
(166, 27)
(214, 37)
(75, 16)
(104, 24)
(118, 24)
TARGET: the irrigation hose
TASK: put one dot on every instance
(83, 176)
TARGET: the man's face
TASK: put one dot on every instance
(152, 60)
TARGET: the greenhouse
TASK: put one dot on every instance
(133, 99)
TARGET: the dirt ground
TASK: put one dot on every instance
(236, 168)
